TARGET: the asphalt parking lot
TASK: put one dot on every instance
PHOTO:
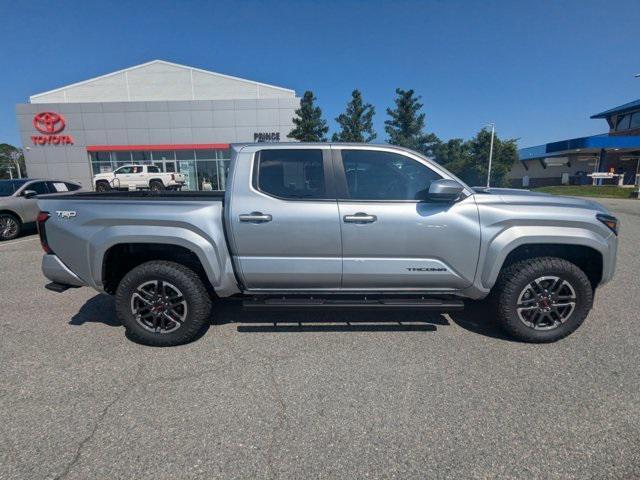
(414, 396)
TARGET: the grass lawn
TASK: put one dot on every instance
(608, 191)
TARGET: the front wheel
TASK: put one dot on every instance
(163, 304)
(542, 299)
(103, 187)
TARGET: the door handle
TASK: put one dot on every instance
(255, 217)
(360, 217)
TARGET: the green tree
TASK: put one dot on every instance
(470, 160)
(11, 159)
(356, 123)
(406, 125)
(309, 125)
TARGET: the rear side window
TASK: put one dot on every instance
(295, 174)
(153, 170)
(72, 187)
(375, 175)
(56, 187)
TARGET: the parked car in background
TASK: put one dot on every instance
(140, 177)
(18, 202)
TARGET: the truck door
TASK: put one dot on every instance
(392, 239)
(122, 177)
(283, 218)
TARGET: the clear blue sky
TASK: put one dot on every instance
(536, 68)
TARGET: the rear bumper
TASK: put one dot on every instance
(57, 272)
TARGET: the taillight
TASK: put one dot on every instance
(40, 221)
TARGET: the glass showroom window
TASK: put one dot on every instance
(141, 157)
(205, 169)
(101, 162)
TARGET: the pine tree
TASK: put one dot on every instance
(405, 128)
(309, 125)
(356, 122)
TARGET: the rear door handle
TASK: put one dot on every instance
(255, 217)
(360, 217)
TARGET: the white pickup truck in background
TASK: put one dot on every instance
(138, 177)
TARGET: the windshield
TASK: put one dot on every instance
(9, 187)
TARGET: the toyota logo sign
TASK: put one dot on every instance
(48, 122)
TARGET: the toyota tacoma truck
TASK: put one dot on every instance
(348, 226)
(138, 177)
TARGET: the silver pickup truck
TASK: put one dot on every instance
(312, 226)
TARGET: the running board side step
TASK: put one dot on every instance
(434, 304)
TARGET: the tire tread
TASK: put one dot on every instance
(507, 288)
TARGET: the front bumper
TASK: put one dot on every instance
(609, 259)
(57, 272)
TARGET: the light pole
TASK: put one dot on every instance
(493, 131)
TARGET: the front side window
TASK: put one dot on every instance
(39, 187)
(291, 173)
(376, 175)
(635, 121)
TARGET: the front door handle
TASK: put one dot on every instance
(360, 217)
(256, 217)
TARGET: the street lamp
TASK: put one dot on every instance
(493, 131)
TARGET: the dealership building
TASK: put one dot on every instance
(179, 118)
(615, 153)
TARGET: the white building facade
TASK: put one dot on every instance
(180, 118)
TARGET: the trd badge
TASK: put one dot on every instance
(65, 213)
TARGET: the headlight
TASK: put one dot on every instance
(610, 221)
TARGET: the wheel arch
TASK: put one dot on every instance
(117, 246)
(121, 258)
(6, 211)
(583, 248)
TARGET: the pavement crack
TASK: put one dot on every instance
(98, 423)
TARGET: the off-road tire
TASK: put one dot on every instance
(13, 231)
(517, 276)
(103, 187)
(195, 294)
(156, 186)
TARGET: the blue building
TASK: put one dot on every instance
(570, 161)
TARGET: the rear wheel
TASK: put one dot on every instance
(163, 304)
(542, 299)
(10, 226)
(156, 186)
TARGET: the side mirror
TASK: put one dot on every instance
(29, 193)
(444, 190)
